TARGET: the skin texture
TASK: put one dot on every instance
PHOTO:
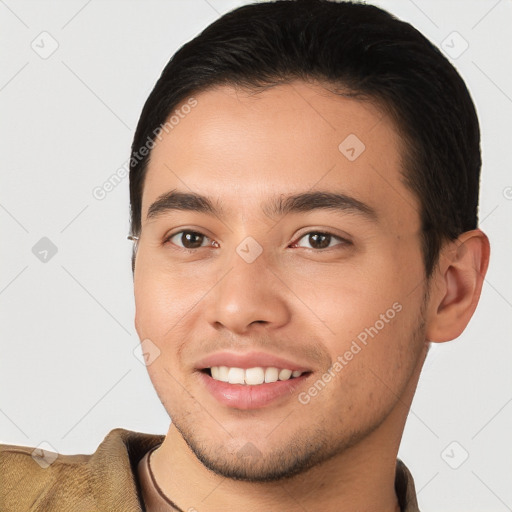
(338, 451)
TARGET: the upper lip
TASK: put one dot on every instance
(249, 360)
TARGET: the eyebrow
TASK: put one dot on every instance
(277, 206)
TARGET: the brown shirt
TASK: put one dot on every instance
(156, 501)
(108, 480)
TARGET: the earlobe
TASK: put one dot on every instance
(462, 268)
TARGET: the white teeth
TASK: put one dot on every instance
(285, 374)
(236, 376)
(252, 376)
(223, 373)
(271, 374)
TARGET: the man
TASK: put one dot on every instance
(304, 187)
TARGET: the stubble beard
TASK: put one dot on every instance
(300, 452)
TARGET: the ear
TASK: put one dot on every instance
(456, 285)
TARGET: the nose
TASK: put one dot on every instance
(249, 295)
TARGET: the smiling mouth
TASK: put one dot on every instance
(255, 376)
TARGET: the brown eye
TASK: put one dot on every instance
(189, 240)
(321, 240)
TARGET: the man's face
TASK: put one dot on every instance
(337, 292)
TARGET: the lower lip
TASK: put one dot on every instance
(243, 396)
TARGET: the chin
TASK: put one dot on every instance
(299, 453)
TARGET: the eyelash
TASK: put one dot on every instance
(344, 241)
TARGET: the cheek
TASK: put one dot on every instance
(150, 306)
(167, 305)
(370, 310)
(159, 304)
(161, 300)
(350, 298)
(370, 338)
(372, 363)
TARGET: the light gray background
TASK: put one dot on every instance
(68, 371)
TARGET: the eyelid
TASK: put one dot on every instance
(189, 228)
(167, 239)
(345, 240)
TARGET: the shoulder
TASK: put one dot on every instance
(39, 479)
(405, 488)
(30, 476)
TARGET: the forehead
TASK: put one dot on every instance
(241, 147)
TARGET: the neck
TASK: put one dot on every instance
(362, 477)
